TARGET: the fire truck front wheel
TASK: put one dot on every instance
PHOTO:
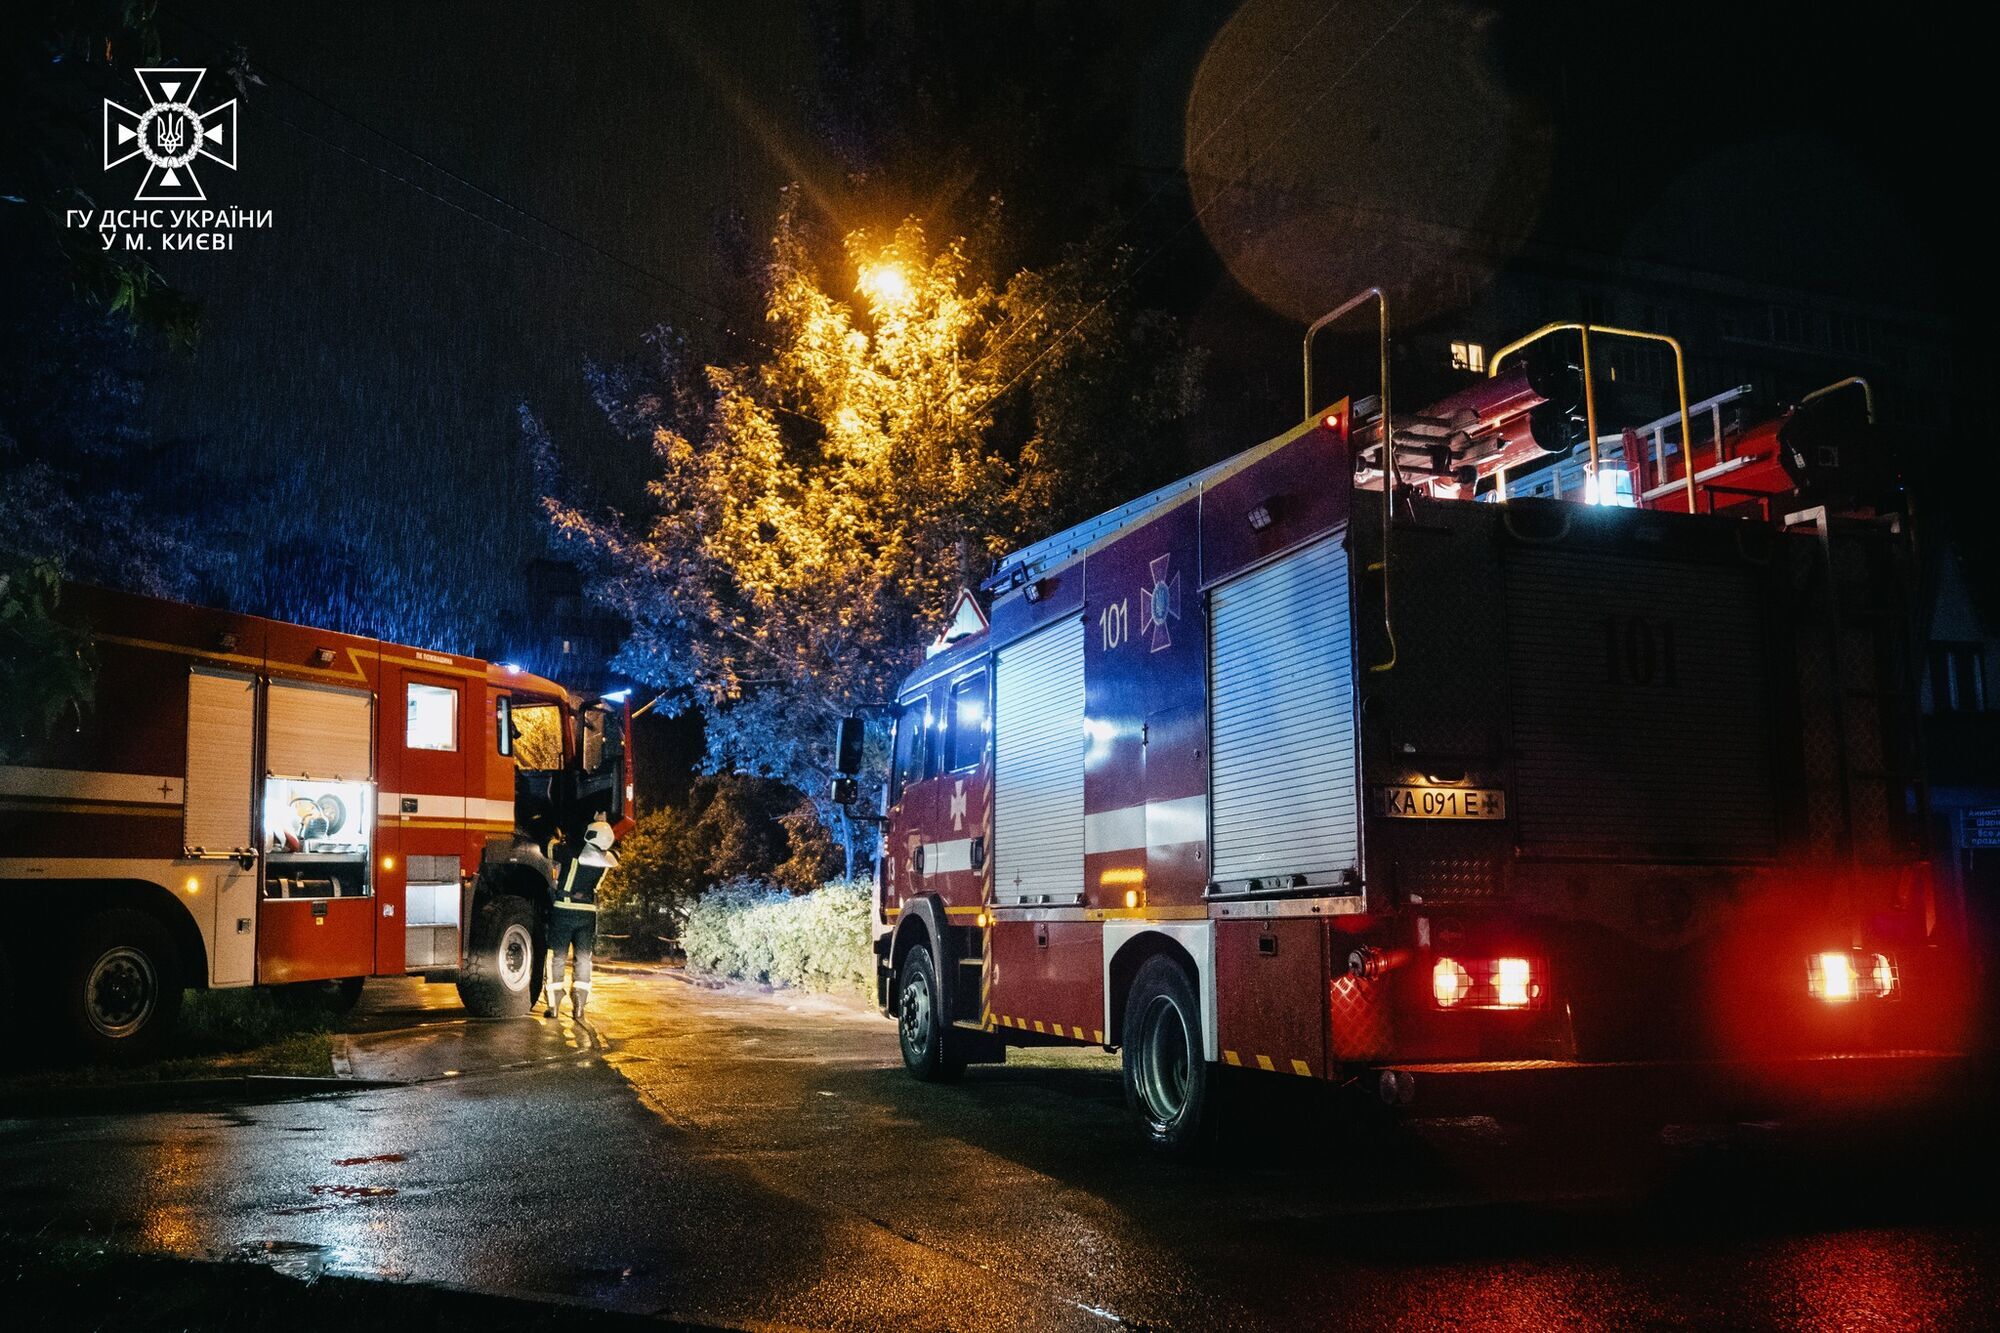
(120, 985)
(499, 976)
(1169, 1085)
(931, 1048)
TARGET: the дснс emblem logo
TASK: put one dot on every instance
(170, 134)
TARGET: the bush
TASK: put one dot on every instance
(641, 900)
(817, 941)
(730, 829)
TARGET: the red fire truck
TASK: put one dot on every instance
(1464, 796)
(255, 803)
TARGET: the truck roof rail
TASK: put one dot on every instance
(1032, 561)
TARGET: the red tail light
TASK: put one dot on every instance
(1839, 977)
(1513, 982)
(1450, 982)
(1486, 983)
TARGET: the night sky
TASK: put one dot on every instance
(470, 200)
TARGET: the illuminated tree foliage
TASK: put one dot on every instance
(814, 514)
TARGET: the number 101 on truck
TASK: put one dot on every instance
(1335, 762)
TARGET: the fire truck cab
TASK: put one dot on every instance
(248, 802)
(1410, 782)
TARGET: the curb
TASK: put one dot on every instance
(135, 1098)
(635, 969)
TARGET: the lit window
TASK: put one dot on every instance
(433, 718)
(1468, 356)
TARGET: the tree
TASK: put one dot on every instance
(814, 513)
(731, 828)
(85, 478)
(47, 667)
(77, 462)
(57, 65)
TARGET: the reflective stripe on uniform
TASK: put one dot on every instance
(567, 886)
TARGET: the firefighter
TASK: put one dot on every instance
(573, 916)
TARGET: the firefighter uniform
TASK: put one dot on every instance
(573, 916)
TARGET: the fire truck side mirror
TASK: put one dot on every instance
(847, 748)
(845, 791)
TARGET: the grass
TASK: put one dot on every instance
(220, 1034)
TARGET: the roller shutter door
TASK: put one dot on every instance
(1281, 680)
(1038, 767)
(221, 740)
(1641, 715)
(320, 731)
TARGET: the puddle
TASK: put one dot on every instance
(351, 1191)
(293, 1258)
(366, 1161)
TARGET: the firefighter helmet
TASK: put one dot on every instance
(599, 835)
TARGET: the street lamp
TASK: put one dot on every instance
(885, 284)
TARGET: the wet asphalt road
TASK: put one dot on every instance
(746, 1160)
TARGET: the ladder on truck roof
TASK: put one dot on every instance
(1659, 440)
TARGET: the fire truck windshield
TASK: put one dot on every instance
(538, 738)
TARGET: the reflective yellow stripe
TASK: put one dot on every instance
(569, 883)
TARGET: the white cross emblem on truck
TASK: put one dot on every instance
(1160, 603)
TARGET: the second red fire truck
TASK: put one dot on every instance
(248, 802)
(1454, 793)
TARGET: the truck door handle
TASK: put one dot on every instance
(917, 860)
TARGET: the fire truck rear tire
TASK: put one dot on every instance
(932, 1048)
(1170, 1088)
(120, 985)
(499, 976)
